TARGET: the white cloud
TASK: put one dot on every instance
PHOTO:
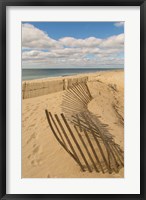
(65, 58)
(119, 24)
(73, 42)
(33, 37)
(38, 49)
(116, 41)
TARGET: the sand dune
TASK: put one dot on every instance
(42, 155)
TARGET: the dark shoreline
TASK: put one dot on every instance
(47, 73)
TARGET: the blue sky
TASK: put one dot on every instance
(79, 30)
(72, 44)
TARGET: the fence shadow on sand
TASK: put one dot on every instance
(83, 136)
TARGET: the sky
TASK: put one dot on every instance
(72, 44)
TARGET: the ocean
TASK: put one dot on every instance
(31, 74)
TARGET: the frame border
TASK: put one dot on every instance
(3, 6)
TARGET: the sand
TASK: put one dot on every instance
(42, 155)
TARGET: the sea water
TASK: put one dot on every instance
(31, 74)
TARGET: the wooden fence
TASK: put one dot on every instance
(86, 144)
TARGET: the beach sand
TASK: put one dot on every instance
(42, 155)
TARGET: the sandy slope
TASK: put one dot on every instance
(42, 155)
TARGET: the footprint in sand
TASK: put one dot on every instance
(36, 162)
(29, 156)
(34, 145)
(32, 125)
(35, 156)
(33, 136)
(37, 150)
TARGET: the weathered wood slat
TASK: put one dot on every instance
(86, 148)
(56, 136)
(87, 140)
(69, 142)
(77, 144)
(99, 146)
